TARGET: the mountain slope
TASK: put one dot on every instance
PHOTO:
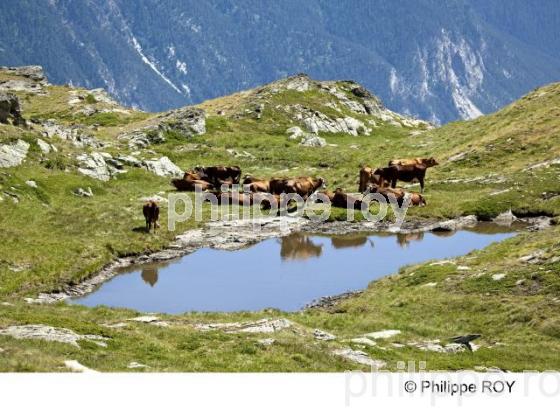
(437, 61)
(81, 168)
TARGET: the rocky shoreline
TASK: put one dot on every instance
(238, 234)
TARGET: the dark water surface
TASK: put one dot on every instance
(284, 273)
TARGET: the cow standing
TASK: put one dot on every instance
(151, 215)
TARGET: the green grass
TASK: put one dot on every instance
(56, 238)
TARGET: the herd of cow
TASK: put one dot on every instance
(265, 191)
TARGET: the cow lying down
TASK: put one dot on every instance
(400, 194)
(340, 199)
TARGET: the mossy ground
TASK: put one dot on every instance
(52, 237)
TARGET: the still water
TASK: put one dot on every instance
(284, 273)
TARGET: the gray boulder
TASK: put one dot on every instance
(94, 166)
(163, 167)
(13, 155)
(311, 140)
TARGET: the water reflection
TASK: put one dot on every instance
(299, 246)
(150, 275)
(404, 239)
(350, 241)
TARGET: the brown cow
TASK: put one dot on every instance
(340, 199)
(253, 184)
(406, 173)
(400, 194)
(303, 186)
(220, 175)
(151, 215)
(190, 181)
(367, 176)
(427, 162)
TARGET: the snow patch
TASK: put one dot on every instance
(152, 65)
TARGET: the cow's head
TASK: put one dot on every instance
(430, 162)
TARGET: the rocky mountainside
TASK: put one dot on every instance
(438, 61)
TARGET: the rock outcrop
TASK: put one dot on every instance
(51, 334)
(100, 166)
(10, 111)
(186, 121)
(29, 79)
(14, 154)
(75, 134)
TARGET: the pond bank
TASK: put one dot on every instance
(238, 234)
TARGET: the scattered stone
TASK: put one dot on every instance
(429, 285)
(31, 183)
(498, 276)
(311, 140)
(359, 357)
(442, 262)
(87, 193)
(435, 346)
(163, 167)
(259, 326)
(322, 335)
(457, 157)
(14, 154)
(155, 197)
(44, 146)
(505, 218)
(266, 342)
(463, 268)
(488, 369)
(503, 191)
(294, 133)
(534, 257)
(363, 341)
(383, 334)
(136, 365)
(145, 319)
(544, 164)
(51, 334)
(240, 154)
(76, 366)
(115, 325)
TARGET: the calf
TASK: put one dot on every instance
(151, 215)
